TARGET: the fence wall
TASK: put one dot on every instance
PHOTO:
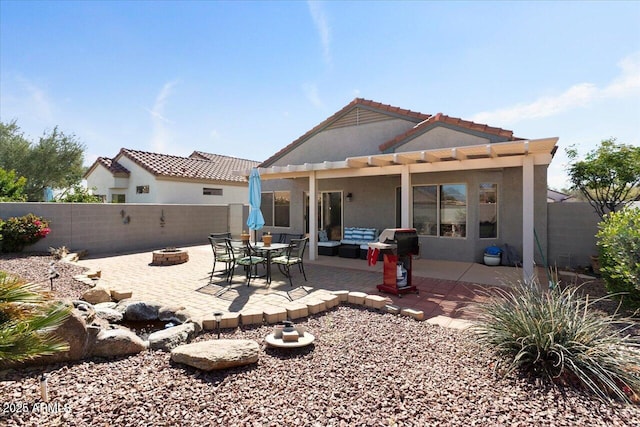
(571, 230)
(112, 228)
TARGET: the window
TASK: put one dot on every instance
(488, 210)
(142, 189)
(440, 210)
(117, 198)
(212, 191)
(275, 208)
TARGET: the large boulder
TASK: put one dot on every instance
(109, 314)
(137, 311)
(168, 313)
(170, 338)
(74, 332)
(217, 354)
(117, 342)
(97, 295)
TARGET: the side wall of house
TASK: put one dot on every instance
(168, 191)
(111, 227)
(374, 205)
(338, 144)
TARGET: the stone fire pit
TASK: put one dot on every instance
(170, 256)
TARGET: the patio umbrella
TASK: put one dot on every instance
(255, 220)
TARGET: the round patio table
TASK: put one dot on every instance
(303, 341)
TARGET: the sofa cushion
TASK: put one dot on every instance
(322, 236)
(359, 235)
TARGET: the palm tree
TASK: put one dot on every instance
(27, 319)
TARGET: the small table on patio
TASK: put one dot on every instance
(268, 250)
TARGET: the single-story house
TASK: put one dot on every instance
(463, 186)
(134, 176)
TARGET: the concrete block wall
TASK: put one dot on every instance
(571, 231)
(113, 228)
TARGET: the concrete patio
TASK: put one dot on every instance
(445, 287)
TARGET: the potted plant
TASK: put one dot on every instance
(267, 238)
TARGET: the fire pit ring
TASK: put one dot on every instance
(170, 256)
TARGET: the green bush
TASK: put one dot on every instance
(619, 245)
(27, 320)
(555, 335)
(18, 232)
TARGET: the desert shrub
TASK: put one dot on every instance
(619, 246)
(556, 336)
(27, 318)
(18, 232)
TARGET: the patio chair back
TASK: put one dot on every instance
(222, 252)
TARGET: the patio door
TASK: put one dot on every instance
(329, 205)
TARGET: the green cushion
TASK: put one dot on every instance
(285, 260)
(250, 260)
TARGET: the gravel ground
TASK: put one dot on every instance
(365, 368)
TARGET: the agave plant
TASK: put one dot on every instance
(556, 335)
(27, 318)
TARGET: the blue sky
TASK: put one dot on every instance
(247, 78)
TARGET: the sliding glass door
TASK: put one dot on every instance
(329, 207)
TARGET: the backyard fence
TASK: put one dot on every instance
(114, 228)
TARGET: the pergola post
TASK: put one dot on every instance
(313, 217)
(405, 188)
(527, 219)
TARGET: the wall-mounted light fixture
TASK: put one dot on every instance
(349, 197)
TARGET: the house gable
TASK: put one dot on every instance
(468, 133)
(356, 129)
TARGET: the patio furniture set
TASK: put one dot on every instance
(286, 253)
(354, 243)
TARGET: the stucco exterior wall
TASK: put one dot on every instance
(338, 144)
(111, 228)
(441, 137)
(374, 205)
(162, 190)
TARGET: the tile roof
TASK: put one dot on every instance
(112, 166)
(199, 166)
(422, 121)
(503, 134)
(357, 102)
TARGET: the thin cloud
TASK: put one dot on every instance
(161, 136)
(626, 84)
(37, 102)
(311, 92)
(324, 30)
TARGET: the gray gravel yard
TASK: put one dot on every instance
(365, 368)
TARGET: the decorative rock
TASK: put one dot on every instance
(216, 354)
(74, 332)
(96, 295)
(139, 310)
(356, 298)
(170, 338)
(168, 313)
(109, 314)
(275, 314)
(117, 342)
(375, 301)
(109, 304)
(120, 295)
